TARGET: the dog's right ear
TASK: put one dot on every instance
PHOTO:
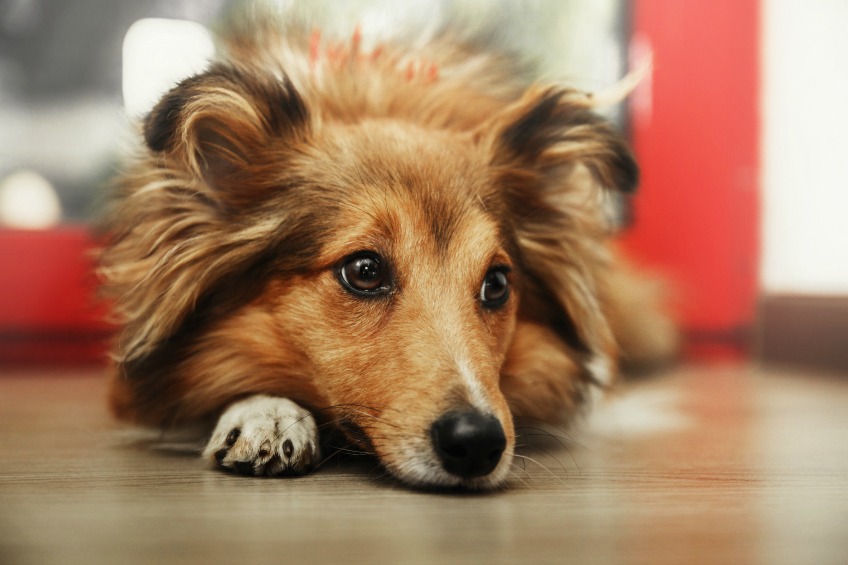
(537, 147)
(551, 129)
(224, 123)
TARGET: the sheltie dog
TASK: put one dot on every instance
(406, 245)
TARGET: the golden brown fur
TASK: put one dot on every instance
(291, 153)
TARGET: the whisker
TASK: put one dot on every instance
(551, 455)
(350, 451)
(523, 463)
(361, 410)
(519, 477)
(563, 441)
(299, 420)
(528, 458)
(563, 435)
(327, 458)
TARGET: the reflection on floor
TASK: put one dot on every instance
(698, 465)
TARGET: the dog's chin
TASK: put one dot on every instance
(423, 471)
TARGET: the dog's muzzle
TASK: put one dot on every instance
(468, 444)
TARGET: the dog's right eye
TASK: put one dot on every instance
(363, 274)
(495, 289)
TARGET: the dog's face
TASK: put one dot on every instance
(408, 309)
(398, 263)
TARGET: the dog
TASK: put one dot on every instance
(407, 245)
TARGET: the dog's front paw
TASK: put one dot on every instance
(265, 435)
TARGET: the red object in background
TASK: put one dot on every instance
(696, 216)
(48, 308)
(695, 132)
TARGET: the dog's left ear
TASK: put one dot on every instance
(549, 128)
(536, 146)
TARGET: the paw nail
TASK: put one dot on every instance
(274, 466)
(265, 449)
(233, 436)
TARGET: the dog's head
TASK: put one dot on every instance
(398, 261)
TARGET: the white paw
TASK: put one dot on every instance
(265, 435)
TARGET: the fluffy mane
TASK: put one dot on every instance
(199, 211)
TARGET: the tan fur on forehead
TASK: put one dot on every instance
(382, 167)
(347, 80)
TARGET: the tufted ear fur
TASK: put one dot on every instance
(550, 154)
(549, 128)
(190, 218)
(222, 123)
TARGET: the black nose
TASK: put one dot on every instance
(469, 444)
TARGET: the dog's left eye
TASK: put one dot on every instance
(495, 289)
(363, 273)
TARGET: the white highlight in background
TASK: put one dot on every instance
(159, 53)
(28, 201)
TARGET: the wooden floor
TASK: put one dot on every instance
(699, 465)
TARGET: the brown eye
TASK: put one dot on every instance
(363, 274)
(495, 290)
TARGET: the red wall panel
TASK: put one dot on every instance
(695, 131)
(696, 216)
(48, 305)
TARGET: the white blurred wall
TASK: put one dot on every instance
(805, 147)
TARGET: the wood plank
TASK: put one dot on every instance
(700, 465)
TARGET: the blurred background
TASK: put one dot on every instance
(738, 129)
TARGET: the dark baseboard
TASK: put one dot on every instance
(809, 331)
(71, 347)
